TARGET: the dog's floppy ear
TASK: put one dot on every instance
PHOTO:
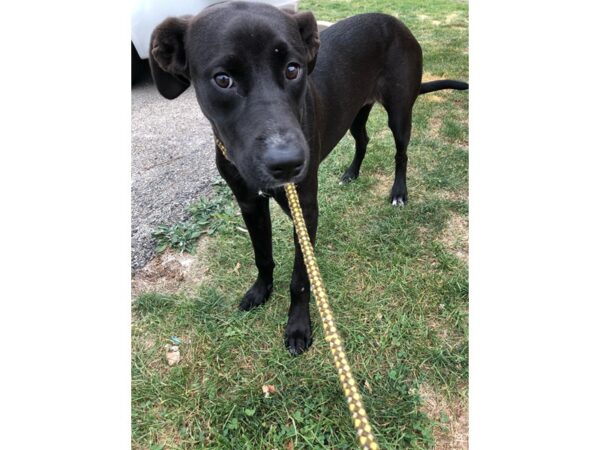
(168, 60)
(307, 24)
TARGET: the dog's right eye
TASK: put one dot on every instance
(223, 80)
(292, 71)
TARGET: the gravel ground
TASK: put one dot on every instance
(172, 163)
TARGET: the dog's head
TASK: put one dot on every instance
(248, 63)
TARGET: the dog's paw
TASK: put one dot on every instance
(398, 199)
(349, 175)
(298, 337)
(257, 295)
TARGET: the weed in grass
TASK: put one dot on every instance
(208, 216)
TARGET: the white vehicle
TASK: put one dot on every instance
(147, 14)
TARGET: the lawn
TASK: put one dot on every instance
(397, 281)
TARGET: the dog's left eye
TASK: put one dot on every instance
(223, 80)
(292, 71)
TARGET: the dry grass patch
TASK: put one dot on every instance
(385, 132)
(451, 17)
(434, 126)
(453, 196)
(454, 435)
(456, 236)
(433, 98)
(168, 439)
(155, 347)
(155, 354)
(381, 188)
(428, 76)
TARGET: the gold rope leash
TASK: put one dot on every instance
(359, 415)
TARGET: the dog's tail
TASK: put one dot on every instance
(438, 85)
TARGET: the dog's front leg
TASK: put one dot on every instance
(257, 217)
(298, 333)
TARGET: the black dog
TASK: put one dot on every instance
(280, 110)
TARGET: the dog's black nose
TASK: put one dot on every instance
(284, 163)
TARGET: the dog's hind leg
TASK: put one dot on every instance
(359, 132)
(400, 122)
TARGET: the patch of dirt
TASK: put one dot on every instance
(168, 435)
(384, 183)
(154, 357)
(385, 132)
(455, 436)
(428, 76)
(440, 330)
(171, 271)
(434, 126)
(456, 236)
(444, 329)
(148, 343)
(463, 145)
(453, 195)
(382, 187)
(433, 98)
(450, 18)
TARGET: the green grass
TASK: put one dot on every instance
(398, 288)
(207, 216)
